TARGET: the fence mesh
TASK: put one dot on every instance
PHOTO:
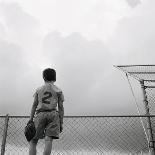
(145, 72)
(2, 123)
(84, 136)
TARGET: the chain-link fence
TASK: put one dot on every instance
(145, 76)
(84, 135)
(145, 73)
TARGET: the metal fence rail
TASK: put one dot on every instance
(84, 135)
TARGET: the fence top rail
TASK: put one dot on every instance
(81, 116)
(139, 72)
(134, 65)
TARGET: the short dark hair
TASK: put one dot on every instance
(49, 74)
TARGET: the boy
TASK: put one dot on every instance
(48, 121)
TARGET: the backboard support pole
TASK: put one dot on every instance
(147, 113)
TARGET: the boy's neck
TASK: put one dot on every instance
(49, 82)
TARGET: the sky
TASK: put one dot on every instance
(82, 40)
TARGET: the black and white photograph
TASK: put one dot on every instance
(77, 77)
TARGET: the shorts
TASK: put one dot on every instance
(47, 124)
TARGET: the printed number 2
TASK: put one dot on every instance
(47, 96)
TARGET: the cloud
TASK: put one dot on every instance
(12, 72)
(21, 28)
(2, 31)
(17, 19)
(17, 42)
(84, 70)
(17, 80)
(94, 19)
(134, 3)
(133, 41)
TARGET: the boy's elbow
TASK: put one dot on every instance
(61, 109)
(35, 104)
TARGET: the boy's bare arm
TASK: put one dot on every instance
(34, 106)
(61, 111)
(60, 107)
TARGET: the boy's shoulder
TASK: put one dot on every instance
(55, 88)
(39, 88)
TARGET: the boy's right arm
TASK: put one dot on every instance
(34, 106)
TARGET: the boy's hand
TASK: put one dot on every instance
(61, 128)
(30, 121)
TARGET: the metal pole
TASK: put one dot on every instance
(149, 128)
(4, 134)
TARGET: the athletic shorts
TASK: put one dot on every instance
(47, 124)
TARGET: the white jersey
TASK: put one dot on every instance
(48, 97)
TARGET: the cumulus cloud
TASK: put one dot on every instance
(2, 31)
(12, 72)
(17, 72)
(133, 41)
(21, 28)
(84, 70)
(17, 20)
(91, 18)
(134, 3)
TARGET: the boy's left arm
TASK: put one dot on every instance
(61, 109)
(34, 106)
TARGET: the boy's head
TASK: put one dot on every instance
(49, 74)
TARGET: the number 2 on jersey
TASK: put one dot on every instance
(47, 95)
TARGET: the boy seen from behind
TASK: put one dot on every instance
(47, 119)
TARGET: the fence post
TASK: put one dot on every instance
(4, 134)
(149, 127)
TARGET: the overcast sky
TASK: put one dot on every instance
(82, 40)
